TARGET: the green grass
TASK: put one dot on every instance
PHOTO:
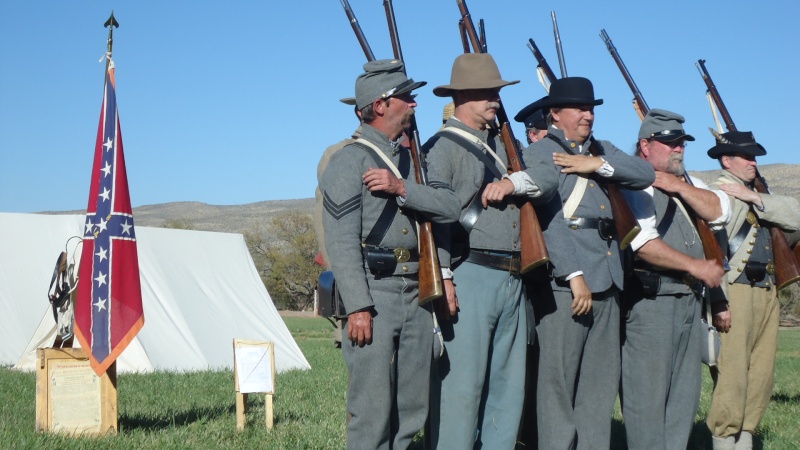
(197, 410)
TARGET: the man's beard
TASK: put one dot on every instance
(675, 166)
(406, 122)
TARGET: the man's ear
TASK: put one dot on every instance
(644, 144)
(379, 106)
(725, 161)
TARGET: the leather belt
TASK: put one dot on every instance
(589, 223)
(678, 277)
(401, 255)
(505, 262)
(603, 225)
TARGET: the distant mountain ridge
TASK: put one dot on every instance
(783, 179)
(222, 218)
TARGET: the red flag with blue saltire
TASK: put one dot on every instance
(108, 309)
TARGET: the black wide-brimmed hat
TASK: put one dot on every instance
(663, 126)
(735, 143)
(533, 115)
(571, 91)
(473, 71)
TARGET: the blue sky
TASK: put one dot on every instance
(233, 102)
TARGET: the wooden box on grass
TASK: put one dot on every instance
(70, 397)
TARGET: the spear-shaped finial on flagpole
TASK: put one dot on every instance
(110, 24)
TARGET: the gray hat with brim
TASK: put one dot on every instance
(473, 71)
(736, 143)
(663, 126)
(383, 78)
(348, 101)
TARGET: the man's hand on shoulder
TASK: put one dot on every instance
(384, 180)
(742, 192)
(668, 182)
(577, 163)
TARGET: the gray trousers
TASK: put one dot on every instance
(387, 394)
(579, 367)
(479, 383)
(661, 371)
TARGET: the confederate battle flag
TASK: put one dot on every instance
(108, 309)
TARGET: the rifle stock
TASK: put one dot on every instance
(430, 273)
(533, 251)
(787, 268)
(797, 252)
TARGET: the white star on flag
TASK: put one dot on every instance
(126, 228)
(105, 194)
(102, 254)
(101, 304)
(103, 225)
(108, 144)
(89, 226)
(107, 169)
(101, 279)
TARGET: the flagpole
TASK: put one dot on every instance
(110, 24)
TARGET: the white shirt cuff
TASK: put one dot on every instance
(573, 275)
(605, 170)
(447, 274)
(523, 185)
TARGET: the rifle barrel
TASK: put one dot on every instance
(638, 98)
(541, 62)
(562, 64)
(351, 17)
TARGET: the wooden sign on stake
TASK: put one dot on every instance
(253, 371)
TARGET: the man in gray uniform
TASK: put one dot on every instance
(661, 368)
(577, 305)
(481, 376)
(747, 358)
(370, 234)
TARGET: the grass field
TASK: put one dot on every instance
(197, 410)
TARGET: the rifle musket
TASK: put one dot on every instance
(562, 64)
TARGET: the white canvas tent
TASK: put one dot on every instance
(200, 291)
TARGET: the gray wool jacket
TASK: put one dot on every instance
(497, 227)
(583, 249)
(351, 211)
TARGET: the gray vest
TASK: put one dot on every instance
(680, 235)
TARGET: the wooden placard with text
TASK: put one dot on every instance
(70, 397)
(253, 372)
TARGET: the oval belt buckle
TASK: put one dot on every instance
(751, 217)
(771, 269)
(402, 255)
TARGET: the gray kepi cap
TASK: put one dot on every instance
(663, 126)
(383, 78)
